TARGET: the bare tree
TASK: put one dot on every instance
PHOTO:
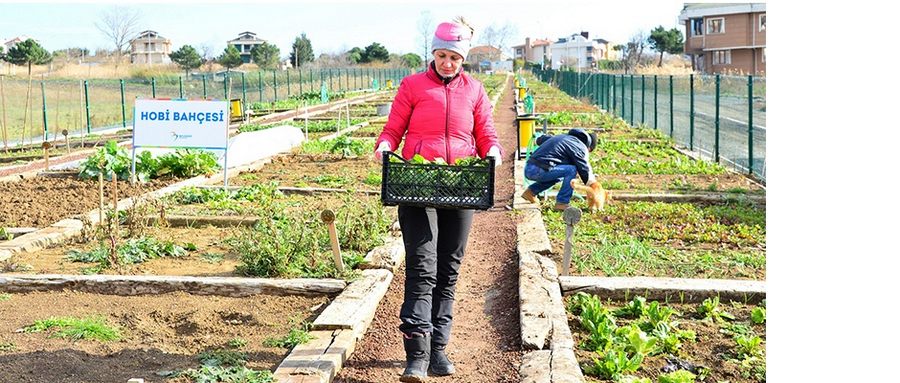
(426, 33)
(208, 55)
(120, 25)
(498, 36)
(634, 50)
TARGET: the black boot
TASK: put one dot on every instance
(417, 349)
(440, 365)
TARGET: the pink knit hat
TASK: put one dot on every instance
(454, 37)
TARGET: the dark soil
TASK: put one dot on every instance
(161, 333)
(42, 201)
(486, 344)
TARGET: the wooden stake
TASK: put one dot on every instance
(328, 217)
(571, 216)
(46, 147)
(101, 196)
(114, 223)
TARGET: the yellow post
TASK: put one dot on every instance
(522, 93)
(390, 84)
(526, 130)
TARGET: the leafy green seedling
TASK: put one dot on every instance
(614, 364)
(680, 376)
(709, 309)
(758, 315)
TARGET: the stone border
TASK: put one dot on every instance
(152, 284)
(337, 331)
(682, 290)
(694, 197)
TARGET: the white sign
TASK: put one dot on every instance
(181, 123)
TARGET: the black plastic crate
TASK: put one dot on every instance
(437, 186)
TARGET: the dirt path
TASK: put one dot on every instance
(485, 344)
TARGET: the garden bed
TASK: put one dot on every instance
(159, 336)
(682, 240)
(41, 201)
(324, 170)
(713, 341)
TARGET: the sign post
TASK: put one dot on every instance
(167, 123)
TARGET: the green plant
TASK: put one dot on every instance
(4, 236)
(237, 343)
(5, 297)
(214, 374)
(107, 160)
(709, 309)
(296, 335)
(680, 376)
(638, 341)
(91, 328)
(7, 346)
(613, 364)
(212, 257)
(134, 250)
(748, 346)
(634, 309)
(186, 163)
(222, 358)
(655, 315)
(758, 315)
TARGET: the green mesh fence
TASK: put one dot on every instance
(22, 110)
(720, 127)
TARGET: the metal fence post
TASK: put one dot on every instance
(717, 118)
(87, 107)
(243, 90)
(643, 104)
(614, 93)
(275, 83)
(632, 99)
(259, 84)
(655, 102)
(180, 87)
(44, 109)
(671, 107)
(623, 96)
(122, 93)
(204, 86)
(691, 140)
(288, 82)
(750, 124)
(153, 87)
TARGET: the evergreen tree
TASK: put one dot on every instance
(411, 60)
(187, 58)
(265, 56)
(301, 51)
(666, 41)
(230, 58)
(376, 51)
(28, 53)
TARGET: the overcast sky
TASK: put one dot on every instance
(332, 26)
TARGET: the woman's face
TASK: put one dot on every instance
(447, 62)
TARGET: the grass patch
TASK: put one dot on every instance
(297, 335)
(668, 240)
(91, 328)
(7, 346)
(5, 297)
(647, 157)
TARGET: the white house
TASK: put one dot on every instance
(150, 48)
(579, 52)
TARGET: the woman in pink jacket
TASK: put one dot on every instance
(446, 114)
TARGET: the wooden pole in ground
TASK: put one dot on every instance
(65, 133)
(328, 217)
(101, 196)
(571, 216)
(114, 223)
(81, 102)
(46, 147)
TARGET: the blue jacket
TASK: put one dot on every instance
(563, 149)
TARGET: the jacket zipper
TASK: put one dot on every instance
(447, 122)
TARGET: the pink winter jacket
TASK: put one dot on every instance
(449, 121)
